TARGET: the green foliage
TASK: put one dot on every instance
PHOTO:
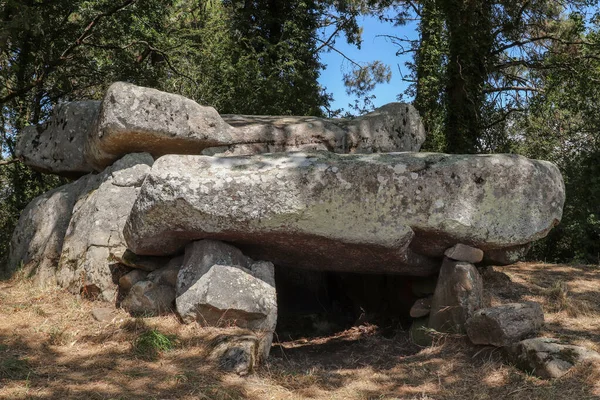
(257, 57)
(151, 343)
(562, 125)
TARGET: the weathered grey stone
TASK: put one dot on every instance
(103, 314)
(459, 293)
(328, 211)
(58, 146)
(131, 278)
(421, 308)
(95, 231)
(227, 295)
(505, 324)
(265, 271)
(548, 358)
(137, 119)
(200, 256)
(167, 275)
(393, 127)
(148, 298)
(462, 252)
(37, 240)
(240, 353)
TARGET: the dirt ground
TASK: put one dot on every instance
(52, 348)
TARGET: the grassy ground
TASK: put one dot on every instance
(52, 348)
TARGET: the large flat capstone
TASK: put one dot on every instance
(392, 127)
(375, 213)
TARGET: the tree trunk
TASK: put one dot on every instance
(470, 43)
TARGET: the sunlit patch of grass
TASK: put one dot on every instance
(151, 343)
(558, 299)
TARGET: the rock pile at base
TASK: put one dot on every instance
(185, 214)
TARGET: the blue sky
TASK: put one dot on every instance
(374, 47)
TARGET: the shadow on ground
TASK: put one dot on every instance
(51, 348)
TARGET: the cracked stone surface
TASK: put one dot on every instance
(96, 228)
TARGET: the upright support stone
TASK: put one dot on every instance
(96, 228)
(459, 293)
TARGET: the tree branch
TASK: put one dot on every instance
(7, 162)
(339, 52)
(513, 88)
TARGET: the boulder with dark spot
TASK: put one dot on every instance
(57, 146)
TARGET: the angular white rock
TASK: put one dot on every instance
(227, 295)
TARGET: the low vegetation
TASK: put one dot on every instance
(51, 347)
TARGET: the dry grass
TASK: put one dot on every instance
(51, 348)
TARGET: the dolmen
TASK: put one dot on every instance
(175, 208)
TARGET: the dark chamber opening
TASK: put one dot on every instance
(321, 303)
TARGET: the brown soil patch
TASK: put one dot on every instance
(52, 348)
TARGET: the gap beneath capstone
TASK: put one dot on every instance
(321, 303)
